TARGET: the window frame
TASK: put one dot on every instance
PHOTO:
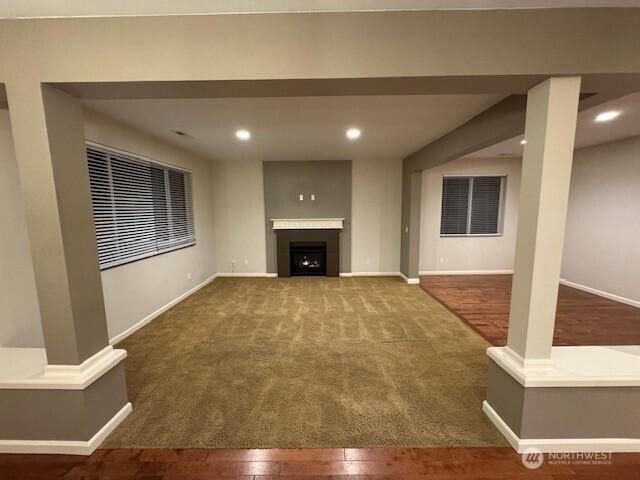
(141, 159)
(501, 204)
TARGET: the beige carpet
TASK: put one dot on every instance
(306, 362)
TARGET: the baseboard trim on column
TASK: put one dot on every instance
(410, 281)
(561, 445)
(66, 447)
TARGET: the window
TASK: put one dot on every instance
(140, 208)
(472, 205)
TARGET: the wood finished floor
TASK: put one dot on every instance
(308, 464)
(482, 301)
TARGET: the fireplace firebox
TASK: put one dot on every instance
(308, 252)
(308, 258)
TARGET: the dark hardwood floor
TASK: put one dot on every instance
(308, 464)
(482, 301)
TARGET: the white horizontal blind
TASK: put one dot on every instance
(471, 205)
(140, 208)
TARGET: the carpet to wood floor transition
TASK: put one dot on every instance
(306, 362)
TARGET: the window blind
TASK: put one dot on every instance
(471, 205)
(140, 208)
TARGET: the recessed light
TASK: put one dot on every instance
(523, 141)
(243, 134)
(353, 133)
(607, 116)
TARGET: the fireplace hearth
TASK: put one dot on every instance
(308, 258)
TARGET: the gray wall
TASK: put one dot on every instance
(468, 254)
(603, 221)
(329, 181)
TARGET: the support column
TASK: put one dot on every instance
(410, 234)
(74, 392)
(49, 142)
(555, 399)
(550, 129)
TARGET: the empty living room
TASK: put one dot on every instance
(304, 240)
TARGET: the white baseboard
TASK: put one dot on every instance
(137, 326)
(410, 281)
(247, 275)
(466, 272)
(346, 274)
(561, 445)
(375, 274)
(66, 447)
(600, 293)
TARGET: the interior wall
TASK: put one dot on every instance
(602, 250)
(603, 224)
(329, 181)
(238, 211)
(376, 203)
(468, 254)
(19, 313)
(136, 290)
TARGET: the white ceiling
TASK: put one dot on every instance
(588, 131)
(85, 8)
(299, 128)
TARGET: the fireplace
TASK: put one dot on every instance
(308, 258)
(302, 249)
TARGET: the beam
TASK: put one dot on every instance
(463, 43)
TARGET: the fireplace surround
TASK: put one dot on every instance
(316, 244)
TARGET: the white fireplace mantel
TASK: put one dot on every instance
(307, 223)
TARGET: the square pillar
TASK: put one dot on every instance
(551, 117)
(74, 392)
(49, 143)
(410, 235)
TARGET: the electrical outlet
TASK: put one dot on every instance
(313, 197)
(368, 260)
(189, 276)
(441, 260)
(246, 261)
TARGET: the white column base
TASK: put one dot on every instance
(66, 447)
(410, 281)
(561, 445)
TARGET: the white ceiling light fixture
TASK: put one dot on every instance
(353, 133)
(243, 134)
(607, 116)
(523, 141)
